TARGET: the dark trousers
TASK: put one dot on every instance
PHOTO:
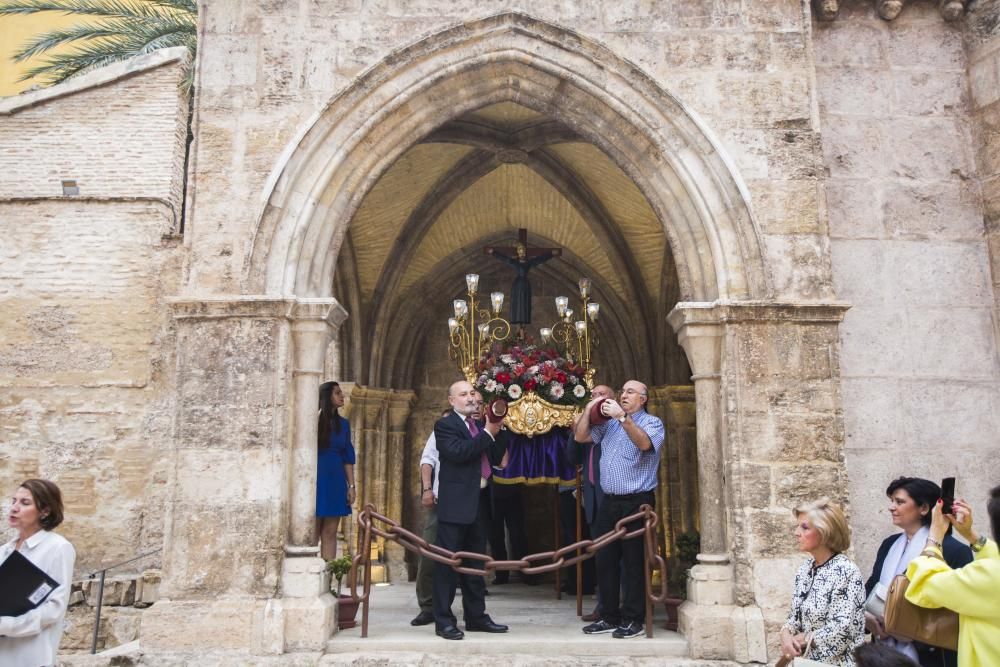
(460, 537)
(507, 513)
(567, 523)
(620, 565)
(425, 568)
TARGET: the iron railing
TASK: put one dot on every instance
(100, 592)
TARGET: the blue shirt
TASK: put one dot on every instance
(625, 468)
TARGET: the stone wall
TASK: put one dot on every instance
(919, 355)
(86, 396)
(746, 69)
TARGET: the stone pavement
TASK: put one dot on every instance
(543, 630)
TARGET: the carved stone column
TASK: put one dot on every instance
(710, 613)
(314, 323)
(701, 338)
(400, 403)
(308, 609)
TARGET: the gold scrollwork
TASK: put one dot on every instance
(532, 415)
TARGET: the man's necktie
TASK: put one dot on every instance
(485, 468)
(590, 472)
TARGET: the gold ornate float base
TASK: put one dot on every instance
(532, 415)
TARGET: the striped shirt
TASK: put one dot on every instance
(625, 468)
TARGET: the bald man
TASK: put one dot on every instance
(467, 454)
(630, 444)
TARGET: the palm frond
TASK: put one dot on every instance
(121, 29)
(110, 8)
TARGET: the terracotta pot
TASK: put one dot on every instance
(347, 609)
(672, 605)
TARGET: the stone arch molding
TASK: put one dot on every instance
(670, 154)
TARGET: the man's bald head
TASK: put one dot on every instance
(634, 396)
(462, 397)
(602, 391)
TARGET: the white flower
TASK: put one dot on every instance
(491, 386)
(514, 391)
(550, 363)
(532, 370)
(579, 391)
(499, 388)
(556, 390)
(507, 359)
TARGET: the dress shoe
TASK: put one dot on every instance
(450, 632)
(591, 617)
(485, 624)
(423, 618)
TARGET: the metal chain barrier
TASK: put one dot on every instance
(538, 563)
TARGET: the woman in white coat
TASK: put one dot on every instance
(32, 639)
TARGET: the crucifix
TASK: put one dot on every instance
(522, 258)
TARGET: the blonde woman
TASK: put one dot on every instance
(827, 612)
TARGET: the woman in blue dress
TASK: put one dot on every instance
(334, 468)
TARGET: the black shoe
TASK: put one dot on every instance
(485, 624)
(450, 632)
(486, 592)
(423, 618)
(628, 631)
(599, 628)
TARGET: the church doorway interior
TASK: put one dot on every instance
(487, 179)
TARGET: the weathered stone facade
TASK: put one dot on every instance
(822, 194)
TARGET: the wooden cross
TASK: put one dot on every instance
(522, 239)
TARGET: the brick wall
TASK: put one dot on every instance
(85, 340)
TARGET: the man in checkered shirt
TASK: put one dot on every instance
(630, 457)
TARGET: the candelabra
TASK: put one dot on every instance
(568, 334)
(469, 340)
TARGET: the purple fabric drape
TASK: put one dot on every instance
(538, 460)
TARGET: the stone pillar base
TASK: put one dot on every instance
(309, 610)
(230, 624)
(715, 628)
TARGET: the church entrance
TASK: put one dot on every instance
(521, 199)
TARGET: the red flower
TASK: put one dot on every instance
(503, 378)
(530, 385)
(561, 377)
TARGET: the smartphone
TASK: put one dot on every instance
(947, 494)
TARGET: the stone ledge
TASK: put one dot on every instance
(99, 77)
(326, 310)
(718, 312)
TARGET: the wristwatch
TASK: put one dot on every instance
(622, 418)
(978, 545)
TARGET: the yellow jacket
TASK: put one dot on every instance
(973, 591)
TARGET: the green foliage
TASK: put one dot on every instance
(688, 545)
(339, 568)
(120, 29)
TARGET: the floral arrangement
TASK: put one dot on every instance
(510, 373)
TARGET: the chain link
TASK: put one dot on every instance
(552, 560)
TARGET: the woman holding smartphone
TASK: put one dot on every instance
(910, 502)
(32, 639)
(972, 590)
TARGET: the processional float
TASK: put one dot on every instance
(542, 387)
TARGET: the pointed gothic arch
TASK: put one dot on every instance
(672, 157)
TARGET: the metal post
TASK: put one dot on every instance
(579, 537)
(97, 620)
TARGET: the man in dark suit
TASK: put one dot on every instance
(588, 455)
(467, 454)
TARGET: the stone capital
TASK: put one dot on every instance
(326, 312)
(400, 403)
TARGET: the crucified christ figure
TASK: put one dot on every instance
(523, 259)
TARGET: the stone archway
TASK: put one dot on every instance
(724, 284)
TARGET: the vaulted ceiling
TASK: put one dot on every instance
(473, 182)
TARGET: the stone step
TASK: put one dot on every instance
(520, 659)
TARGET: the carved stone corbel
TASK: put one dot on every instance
(826, 10)
(889, 9)
(952, 10)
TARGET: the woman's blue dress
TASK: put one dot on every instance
(331, 481)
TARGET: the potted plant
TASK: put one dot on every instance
(347, 606)
(688, 545)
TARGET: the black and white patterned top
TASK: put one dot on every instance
(829, 603)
